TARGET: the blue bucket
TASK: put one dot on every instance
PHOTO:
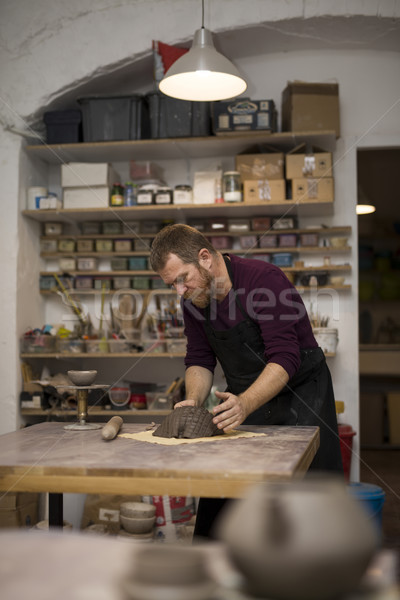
(372, 497)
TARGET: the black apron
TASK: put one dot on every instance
(307, 399)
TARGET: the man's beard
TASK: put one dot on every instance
(200, 297)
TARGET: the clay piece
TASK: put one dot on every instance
(188, 422)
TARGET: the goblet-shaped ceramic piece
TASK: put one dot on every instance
(82, 378)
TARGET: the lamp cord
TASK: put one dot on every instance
(202, 14)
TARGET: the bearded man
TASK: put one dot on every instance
(246, 314)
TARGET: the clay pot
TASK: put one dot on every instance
(137, 509)
(306, 540)
(137, 525)
(169, 572)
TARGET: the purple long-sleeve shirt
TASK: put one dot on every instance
(268, 298)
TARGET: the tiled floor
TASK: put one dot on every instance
(382, 468)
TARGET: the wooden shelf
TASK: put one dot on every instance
(172, 211)
(99, 273)
(308, 269)
(323, 231)
(379, 359)
(96, 355)
(130, 355)
(272, 249)
(94, 412)
(180, 148)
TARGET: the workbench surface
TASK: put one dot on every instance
(48, 458)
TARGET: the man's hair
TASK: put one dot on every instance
(183, 241)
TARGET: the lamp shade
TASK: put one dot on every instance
(202, 74)
(365, 209)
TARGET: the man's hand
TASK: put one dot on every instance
(231, 413)
(185, 403)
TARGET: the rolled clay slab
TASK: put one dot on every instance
(188, 422)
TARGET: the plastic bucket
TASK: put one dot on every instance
(346, 434)
(372, 497)
(326, 338)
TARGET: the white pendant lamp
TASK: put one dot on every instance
(202, 74)
(364, 206)
(365, 209)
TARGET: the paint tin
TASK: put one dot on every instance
(34, 195)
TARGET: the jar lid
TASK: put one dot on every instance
(183, 188)
(163, 190)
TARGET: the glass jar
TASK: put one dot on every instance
(231, 187)
(183, 194)
(117, 195)
(163, 196)
(130, 193)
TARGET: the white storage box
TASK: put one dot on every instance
(87, 197)
(76, 174)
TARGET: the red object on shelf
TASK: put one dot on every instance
(346, 434)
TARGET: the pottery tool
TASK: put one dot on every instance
(111, 429)
(72, 303)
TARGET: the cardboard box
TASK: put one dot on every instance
(78, 175)
(244, 115)
(310, 189)
(260, 166)
(264, 190)
(13, 500)
(19, 510)
(314, 164)
(310, 107)
(104, 510)
(87, 197)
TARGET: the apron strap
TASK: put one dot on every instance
(236, 297)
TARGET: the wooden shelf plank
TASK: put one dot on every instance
(171, 211)
(275, 249)
(180, 148)
(130, 355)
(310, 268)
(96, 355)
(94, 412)
(323, 231)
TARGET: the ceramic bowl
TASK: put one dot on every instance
(165, 571)
(338, 242)
(137, 510)
(140, 525)
(336, 280)
(82, 377)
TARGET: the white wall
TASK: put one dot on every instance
(52, 51)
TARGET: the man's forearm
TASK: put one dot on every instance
(267, 385)
(198, 382)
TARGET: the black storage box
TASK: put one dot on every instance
(170, 118)
(114, 118)
(244, 114)
(63, 126)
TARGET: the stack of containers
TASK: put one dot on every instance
(309, 171)
(87, 185)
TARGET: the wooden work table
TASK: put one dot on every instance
(48, 458)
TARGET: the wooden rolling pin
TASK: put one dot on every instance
(110, 429)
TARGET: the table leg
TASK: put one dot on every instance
(55, 510)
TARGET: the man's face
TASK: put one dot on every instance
(190, 281)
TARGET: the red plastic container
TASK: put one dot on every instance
(346, 434)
